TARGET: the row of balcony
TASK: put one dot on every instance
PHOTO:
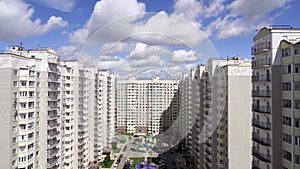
(261, 140)
(262, 156)
(261, 78)
(261, 47)
(260, 124)
(261, 109)
(261, 93)
(261, 63)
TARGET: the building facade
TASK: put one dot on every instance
(52, 115)
(141, 104)
(275, 67)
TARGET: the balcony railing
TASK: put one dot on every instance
(261, 109)
(261, 78)
(262, 156)
(260, 48)
(261, 93)
(261, 140)
(255, 165)
(260, 124)
(261, 63)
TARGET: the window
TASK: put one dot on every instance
(14, 140)
(23, 83)
(286, 138)
(15, 72)
(22, 105)
(31, 73)
(286, 69)
(286, 103)
(23, 94)
(297, 51)
(14, 129)
(287, 155)
(297, 104)
(15, 83)
(286, 86)
(297, 140)
(297, 122)
(287, 120)
(286, 52)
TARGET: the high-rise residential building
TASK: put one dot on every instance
(275, 98)
(218, 97)
(107, 104)
(51, 112)
(141, 105)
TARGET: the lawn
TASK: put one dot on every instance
(136, 161)
(117, 150)
(122, 141)
(154, 160)
(107, 163)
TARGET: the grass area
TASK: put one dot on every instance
(107, 163)
(154, 160)
(117, 150)
(136, 161)
(122, 141)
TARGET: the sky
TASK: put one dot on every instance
(142, 38)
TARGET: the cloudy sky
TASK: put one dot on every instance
(142, 37)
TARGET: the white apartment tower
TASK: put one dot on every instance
(107, 104)
(275, 98)
(141, 104)
(52, 111)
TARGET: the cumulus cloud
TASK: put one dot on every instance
(152, 28)
(62, 5)
(105, 12)
(143, 51)
(183, 56)
(16, 22)
(152, 61)
(114, 48)
(243, 17)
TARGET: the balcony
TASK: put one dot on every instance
(261, 140)
(261, 78)
(262, 156)
(53, 144)
(208, 159)
(51, 164)
(255, 165)
(261, 93)
(261, 109)
(52, 153)
(261, 63)
(260, 124)
(261, 47)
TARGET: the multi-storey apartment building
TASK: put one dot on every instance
(51, 115)
(141, 104)
(275, 119)
(107, 104)
(219, 99)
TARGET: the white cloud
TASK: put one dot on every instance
(112, 23)
(182, 56)
(189, 9)
(143, 51)
(152, 61)
(105, 12)
(62, 5)
(15, 21)
(254, 10)
(114, 48)
(109, 58)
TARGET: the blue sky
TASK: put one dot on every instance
(176, 37)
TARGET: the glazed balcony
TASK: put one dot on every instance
(261, 78)
(261, 47)
(261, 140)
(262, 156)
(261, 93)
(260, 124)
(261, 109)
(261, 63)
